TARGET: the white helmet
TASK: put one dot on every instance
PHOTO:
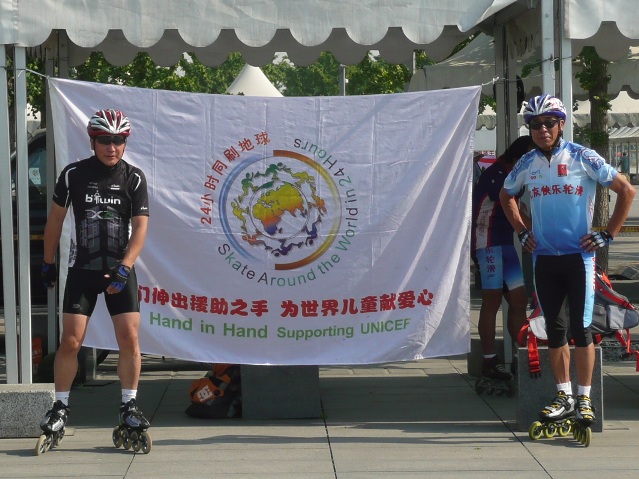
(544, 105)
(109, 122)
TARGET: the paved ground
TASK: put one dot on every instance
(406, 420)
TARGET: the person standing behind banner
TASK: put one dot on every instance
(562, 178)
(109, 197)
(493, 245)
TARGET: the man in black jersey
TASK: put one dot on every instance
(109, 201)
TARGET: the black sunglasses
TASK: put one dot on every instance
(107, 140)
(536, 125)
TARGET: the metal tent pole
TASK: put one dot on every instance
(6, 229)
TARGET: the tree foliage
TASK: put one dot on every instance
(594, 78)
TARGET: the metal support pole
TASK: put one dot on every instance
(501, 70)
(6, 230)
(52, 294)
(342, 80)
(548, 46)
(22, 195)
(565, 71)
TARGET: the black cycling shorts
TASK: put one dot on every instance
(84, 286)
(568, 278)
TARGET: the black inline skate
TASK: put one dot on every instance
(131, 433)
(584, 417)
(52, 428)
(494, 379)
(559, 419)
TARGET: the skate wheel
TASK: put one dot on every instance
(550, 431)
(490, 391)
(564, 429)
(536, 430)
(116, 436)
(126, 439)
(499, 392)
(479, 387)
(43, 444)
(146, 443)
(587, 436)
(135, 441)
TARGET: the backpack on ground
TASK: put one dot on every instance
(218, 394)
(613, 317)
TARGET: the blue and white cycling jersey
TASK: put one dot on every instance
(562, 194)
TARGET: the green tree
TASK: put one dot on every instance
(321, 78)
(594, 78)
(187, 75)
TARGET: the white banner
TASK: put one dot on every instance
(293, 231)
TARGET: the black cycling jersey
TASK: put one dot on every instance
(104, 200)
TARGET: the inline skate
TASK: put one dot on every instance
(52, 428)
(495, 379)
(131, 432)
(559, 419)
(584, 417)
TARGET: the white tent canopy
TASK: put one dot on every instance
(251, 81)
(624, 111)
(475, 65)
(213, 28)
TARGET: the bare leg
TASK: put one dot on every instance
(65, 366)
(560, 363)
(585, 364)
(490, 303)
(129, 363)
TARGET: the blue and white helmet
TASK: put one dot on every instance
(544, 105)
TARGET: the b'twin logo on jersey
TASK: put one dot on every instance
(98, 200)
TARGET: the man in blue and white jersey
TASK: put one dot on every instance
(562, 179)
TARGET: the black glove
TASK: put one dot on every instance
(119, 276)
(49, 274)
(523, 236)
(601, 238)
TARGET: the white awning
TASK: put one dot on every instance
(213, 28)
(623, 134)
(475, 65)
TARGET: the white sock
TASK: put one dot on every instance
(565, 387)
(585, 390)
(62, 396)
(128, 394)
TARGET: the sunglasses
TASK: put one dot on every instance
(536, 125)
(107, 140)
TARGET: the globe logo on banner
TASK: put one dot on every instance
(283, 210)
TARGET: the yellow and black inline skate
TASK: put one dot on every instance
(564, 416)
